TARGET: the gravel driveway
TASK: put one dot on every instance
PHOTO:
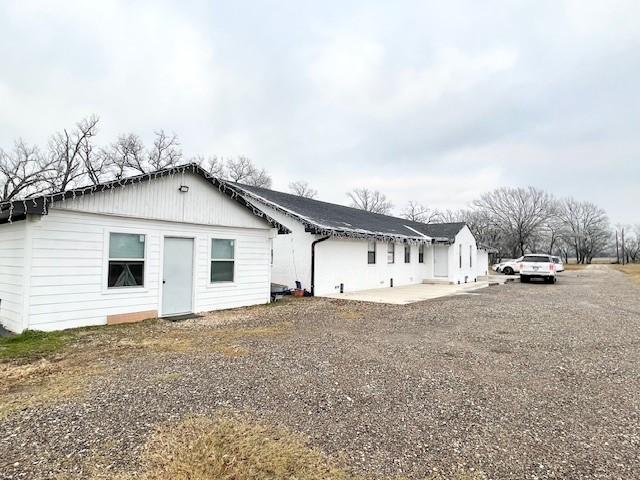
(518, 381)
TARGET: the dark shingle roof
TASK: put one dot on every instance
(332, 219)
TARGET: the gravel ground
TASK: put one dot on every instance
(519, 381)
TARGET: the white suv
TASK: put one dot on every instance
(537, 265)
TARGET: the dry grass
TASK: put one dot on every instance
(633, 270)
(233, 447)
(574, 266)
(42, 382)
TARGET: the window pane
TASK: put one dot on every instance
(222, 271)
(391, 249)
(125, 274)
(222, 248)
(371, 246)
(421, 254)
(371, 257)
(126, 245)
(407, 254)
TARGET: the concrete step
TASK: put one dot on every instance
(436, 281)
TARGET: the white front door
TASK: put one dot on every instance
(441, 261)
(177, 276)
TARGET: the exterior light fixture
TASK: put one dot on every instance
(184, 188)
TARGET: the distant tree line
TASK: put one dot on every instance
(516, 221)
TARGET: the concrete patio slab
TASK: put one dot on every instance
(407, 294)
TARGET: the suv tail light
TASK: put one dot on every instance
(552, 267)
(520, 267)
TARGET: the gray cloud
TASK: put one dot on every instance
(423, 100)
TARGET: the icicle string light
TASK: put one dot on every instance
(131, 181)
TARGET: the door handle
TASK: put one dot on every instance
(164, 281)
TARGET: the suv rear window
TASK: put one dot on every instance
(536, 259)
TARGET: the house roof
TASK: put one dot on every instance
(325, 218)
(18, 209)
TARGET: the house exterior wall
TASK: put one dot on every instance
(345, 261)
(13, 238)
(468, 271)
(68, 285)
(291, 252)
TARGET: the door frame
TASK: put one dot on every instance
(194, 267)
(435, 250)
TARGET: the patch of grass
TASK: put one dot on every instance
(33, 344)
(574, 266)
(201, 448)
(632, 269)
(41, 382)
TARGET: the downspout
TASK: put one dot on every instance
(313, 262)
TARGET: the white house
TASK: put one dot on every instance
(167, 243)
(336, 248)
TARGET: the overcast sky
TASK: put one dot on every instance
(431, 101)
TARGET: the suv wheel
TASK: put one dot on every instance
(507, 271)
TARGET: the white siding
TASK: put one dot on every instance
(466, 273)
(345, 261)
(160, 199)
(12, 274)
(483, 262)
(68, 283)
(291, 252)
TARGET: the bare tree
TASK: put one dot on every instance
(517, 212)
(165, 152)
(259, 178)
(587, 228)
(416, 212)
(213, 165)
(71, 153)
(370, 200)
(240, 169)
(23, 172)
(302, 189)
(126, 154)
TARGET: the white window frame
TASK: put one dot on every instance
(407, 249)
(211, 260)
(391, 250)
(105, 263)
(460, 255)
(470, 256)
(421, 253)
(375, 252)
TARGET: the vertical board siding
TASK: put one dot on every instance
(68, 280)
(160, 199)
(12, 240)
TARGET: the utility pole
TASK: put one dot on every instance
(617, 248)
(623, 245)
